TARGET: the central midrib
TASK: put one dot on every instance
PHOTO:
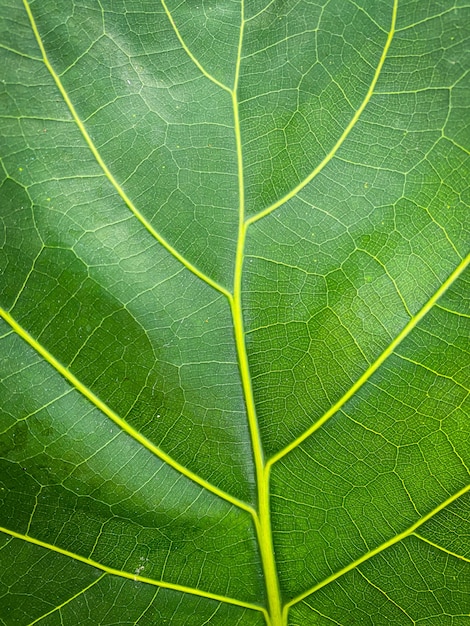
(262, 518)
(277, 616)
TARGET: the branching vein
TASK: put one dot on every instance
(374, 367)
(345, 133)
(189, 53)
(132, 576)
(94, 150)
(400, 537)
(132, 432)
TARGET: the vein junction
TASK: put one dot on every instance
(277, 615)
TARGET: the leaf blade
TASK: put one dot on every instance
(234, 330)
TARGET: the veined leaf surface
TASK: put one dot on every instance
(234, 317)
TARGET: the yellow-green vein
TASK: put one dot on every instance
(263, 525)
(385, 595)
(145, 223)
(345, 133)
(375, 551)
(374, 367)
(21, 54)
(132, 576)
(99, 404)
(440, 548)
(71, 599)
(189, 53)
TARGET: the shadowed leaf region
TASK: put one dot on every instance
(234, 314)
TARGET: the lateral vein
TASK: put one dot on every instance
(71, 599)
(387, 544)
(374, 367)
(440, 548)
(94, 150)
(345, 133)
(199, 66)
(134, 577)
(113, 416)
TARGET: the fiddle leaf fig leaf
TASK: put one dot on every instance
(234, 312)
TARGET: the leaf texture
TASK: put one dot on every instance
(234, 313)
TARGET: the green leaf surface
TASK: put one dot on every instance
(234, 312)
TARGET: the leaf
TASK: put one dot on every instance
(234, 323)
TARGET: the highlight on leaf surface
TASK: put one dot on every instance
(234, 312)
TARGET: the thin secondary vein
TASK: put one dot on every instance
(179, 257)
(373, 368)
(99, 404)
(189, 53)
(379, 549)
(389, 599)
(71, 599)
(345, 133)
(441, 548)
(21, 54)
(131, 576)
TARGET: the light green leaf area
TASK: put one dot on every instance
(234, 313)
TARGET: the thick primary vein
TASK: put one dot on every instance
(263, 516)
(374, 367)
(345, 133)
(94, 150)
(60, 606)
(378, 550)
(99, 404)
(189, 53)
(135, 577)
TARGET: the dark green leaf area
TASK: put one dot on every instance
(391, 456)
(444, 203)
(167, 367)
(234, 312)
(212, 34)
(15, 30)
(34, 581)
(450, 528)
(433, 37)
(326, 297)
(76, 593)
(410, 129)
(456, 299)
(109, 285)
(19, 240)
(396, 587)
(124, 504)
